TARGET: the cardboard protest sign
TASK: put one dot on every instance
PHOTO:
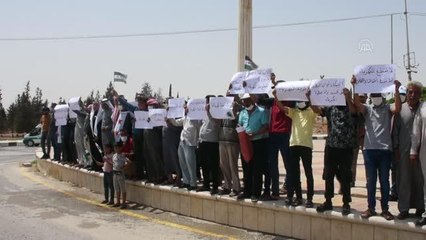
(221, 107)
(328, 92)
(176, 108)
(237, 83)
(157, 117)
(197, 109)
(142, 120)
(292, 90)
(73, 105)
(375, 78)
(256, 82)
(61, 114)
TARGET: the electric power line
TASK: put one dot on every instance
(82, 37)
(418, 14)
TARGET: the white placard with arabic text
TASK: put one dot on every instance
(142, 120)
(221, 107)
(197, 109)
(292, 90)
(176, 109)
(328, 92)
(375, 78)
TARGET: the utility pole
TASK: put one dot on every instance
(391, 18)
(244, 32)
(408, 67)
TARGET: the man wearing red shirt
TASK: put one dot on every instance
(279, 137)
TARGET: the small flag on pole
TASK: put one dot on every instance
(120, 77)
(249, 64)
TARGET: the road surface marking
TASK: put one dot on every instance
(127, 212)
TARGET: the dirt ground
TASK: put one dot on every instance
(320, 126)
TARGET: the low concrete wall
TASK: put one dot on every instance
(268, 217)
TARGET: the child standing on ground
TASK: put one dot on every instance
(119, 163)
(108, 175)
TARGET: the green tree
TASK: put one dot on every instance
(90, 99)
(25, 112)
(98, 97)
(108, 92)
(11, 115)
(3, 119)
(147, 90)
(159, 95)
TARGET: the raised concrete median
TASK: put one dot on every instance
(269, 217)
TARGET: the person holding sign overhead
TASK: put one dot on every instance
(302, 125)
(409, 173)
(378, 147)
(255, 121)
(186, 151)
(338, 151)
(208, 148)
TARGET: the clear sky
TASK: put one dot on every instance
(196, 64)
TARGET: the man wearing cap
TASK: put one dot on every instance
(255, 121)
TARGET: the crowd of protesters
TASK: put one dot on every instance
(204, 155)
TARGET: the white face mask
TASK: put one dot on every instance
(120, 107)
(403, 98)
(301, 105)
(249, 108)
(150, 107)
(376, 101)
(123, 138)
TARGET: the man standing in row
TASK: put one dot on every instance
(409, 173)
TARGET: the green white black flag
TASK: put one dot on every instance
(249, 64)
(120, 77)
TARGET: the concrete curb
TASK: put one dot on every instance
(269, 217)
(11, 143)
(20, 143)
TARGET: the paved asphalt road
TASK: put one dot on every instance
(37, 207)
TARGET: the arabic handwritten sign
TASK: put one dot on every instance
(61, 114)
(197, 109)
(328, 92)
(374, 78)
(73, 105)
(157, 117)
(257, 81)
(292, 90)
(142, 120)
(221, 107)
(237, 83)
(176, 109)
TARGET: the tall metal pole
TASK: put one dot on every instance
(408, 67)
(244, 32)
(391, 38)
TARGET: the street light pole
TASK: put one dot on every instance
(244, 32)
(408, 67)
(391, 16)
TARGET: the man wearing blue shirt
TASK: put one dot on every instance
(255, 121)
